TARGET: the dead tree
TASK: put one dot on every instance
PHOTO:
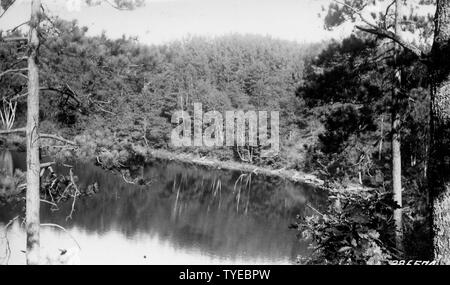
(32, 140)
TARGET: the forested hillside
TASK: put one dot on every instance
(123, 87)
(115, 98)
(334, 100)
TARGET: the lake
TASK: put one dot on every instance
(187, 215)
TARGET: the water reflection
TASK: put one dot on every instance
(7, 185)
(187, 215)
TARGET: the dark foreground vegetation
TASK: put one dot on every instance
(115, 98)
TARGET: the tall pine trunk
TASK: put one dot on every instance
(397, 174)
(439, 165)
(32, 134)
(396, 139)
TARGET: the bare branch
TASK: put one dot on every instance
(72, 93)
(64, 230)
(57, 138)
(314, 209)
(396, 38)
(48, 202)
(20, 96)
(357, 12)
(15, 39)
(16, 27)
(14, 131)
(48, 164)
(16, 71)
(8, 114)
(384, 33)
(387, 11)
(74, 185)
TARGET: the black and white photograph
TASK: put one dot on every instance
(242, 134)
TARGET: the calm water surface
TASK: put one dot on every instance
(187, 215)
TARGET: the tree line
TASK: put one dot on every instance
(371, 110)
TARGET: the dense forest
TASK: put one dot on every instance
(366, 116)
(333, 98)
(116, 97)
(122, 87)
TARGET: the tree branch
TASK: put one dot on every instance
(48, 164)
(15, 39)
(14, 131)
(71, 93)
(57, 138)
(384, 33)
(396, 38)
(13, 71)
(64, 230)
(12, 30)
(357, 13)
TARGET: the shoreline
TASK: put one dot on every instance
(213, 163)
(290, 175)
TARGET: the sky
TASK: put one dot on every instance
(162, 21)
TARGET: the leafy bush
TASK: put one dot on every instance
(357, 229)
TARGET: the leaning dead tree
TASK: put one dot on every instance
(32, 135)
(32, 131)
(32, 128)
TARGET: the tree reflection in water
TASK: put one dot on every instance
(7, 182)
(219, 214)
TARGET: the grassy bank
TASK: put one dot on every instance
(288, 174)
(123, 154)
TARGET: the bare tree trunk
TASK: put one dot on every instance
(397, 182)
(439, 164)
(439, 173)
(32, 129)
(441, 227)
(396, 141)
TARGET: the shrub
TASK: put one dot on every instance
(357, 229)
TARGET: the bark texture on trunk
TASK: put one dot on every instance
(439, 166)
(32, 129)
(440, 172)
(441, 227)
